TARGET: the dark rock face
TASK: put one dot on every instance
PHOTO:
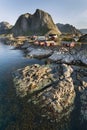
(83, 38)
(68, 29)
(5, 27)
(38, 23)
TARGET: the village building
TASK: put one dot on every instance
(68, 44)
(53, 37)
(34, 37)
(41, 38)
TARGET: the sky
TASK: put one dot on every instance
(73, 12)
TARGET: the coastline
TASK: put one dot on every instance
(81, 88)
(58, 54)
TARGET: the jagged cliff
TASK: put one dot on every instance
(39, 23)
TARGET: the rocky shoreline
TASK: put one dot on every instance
(56, 54)
(53, 88)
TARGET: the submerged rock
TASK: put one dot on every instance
(49, 87)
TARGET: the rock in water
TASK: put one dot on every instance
(50, 88)
(40, 53)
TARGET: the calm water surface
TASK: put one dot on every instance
(10, 60)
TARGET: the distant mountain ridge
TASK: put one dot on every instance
(68, 29)
(4, 27)
(39, 23)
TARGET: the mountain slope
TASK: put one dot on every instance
(68, 29)
(39, 23)
(4, 27)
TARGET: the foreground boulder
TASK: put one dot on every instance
(48, 87)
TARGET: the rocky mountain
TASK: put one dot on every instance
(39, 23)
(4, 27)
(68, 29)
(84, 31)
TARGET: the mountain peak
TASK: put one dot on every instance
(27, 15)
(38, 10)
(39, 23)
